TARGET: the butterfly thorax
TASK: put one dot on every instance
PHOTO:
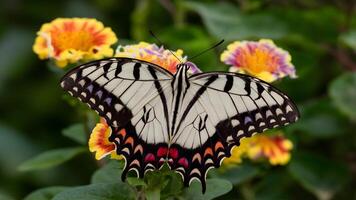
(179, 84)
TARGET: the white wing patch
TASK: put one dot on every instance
(243, 104)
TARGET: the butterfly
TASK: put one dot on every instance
(190, 122)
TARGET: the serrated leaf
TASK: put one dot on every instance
(109, 173)
(45, 193)
(219, 17)
(51, 158)
(214, 188)
(321, 176)
(76, 132)
(99, 191)
(343, 92)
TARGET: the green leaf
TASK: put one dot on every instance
(51, 158)
(5, 196)
(134, 181)
(14, 149)
(220, 17)
(45, 193)
(321, 176)
(214, 188)
(194, 40)
(109, 173)
(153, 193)
(273, 186)
(237, 174)
(155, 181)
(16, 43)
(99, 191)
(76, 132)
(321, 119)
(349, 38)
(343, 92)
(174, 185)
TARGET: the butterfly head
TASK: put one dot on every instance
(182, 66)
(186, 66)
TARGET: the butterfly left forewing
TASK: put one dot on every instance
(218, 110)
(116, 87)
(132, 97)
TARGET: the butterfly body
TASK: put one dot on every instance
(189, 122)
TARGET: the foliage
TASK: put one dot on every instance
(35, 117)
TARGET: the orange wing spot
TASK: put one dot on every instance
(208, 151)
(129, 140)
(218, 145)
(123, 133)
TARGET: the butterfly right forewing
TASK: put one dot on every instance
(218, 110)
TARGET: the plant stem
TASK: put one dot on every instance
(247, 192)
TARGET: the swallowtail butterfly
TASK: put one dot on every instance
(189, 122)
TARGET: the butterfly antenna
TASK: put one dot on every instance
(214, 46)
(155, 37)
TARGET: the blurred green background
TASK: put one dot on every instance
(320, 36)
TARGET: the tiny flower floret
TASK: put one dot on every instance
(68, 40)
(157, 55)
(262, 59)
(276, 149)
(99, 141)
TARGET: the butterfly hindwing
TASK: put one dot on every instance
(219, 109)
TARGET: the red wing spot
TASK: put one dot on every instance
(149, 158)
(173, 153)
(184, 162)
(162, 152)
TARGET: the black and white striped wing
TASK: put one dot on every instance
(217, 111)
(132, 96)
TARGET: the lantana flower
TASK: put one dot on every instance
(154, 54)
(99, 141)
(237, 153)
(68, 40)
(275, 148)
(262, 59)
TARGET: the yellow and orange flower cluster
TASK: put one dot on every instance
(99, 141)
(69, 40)
(276, 149)
(154, 54)
(262, 59)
